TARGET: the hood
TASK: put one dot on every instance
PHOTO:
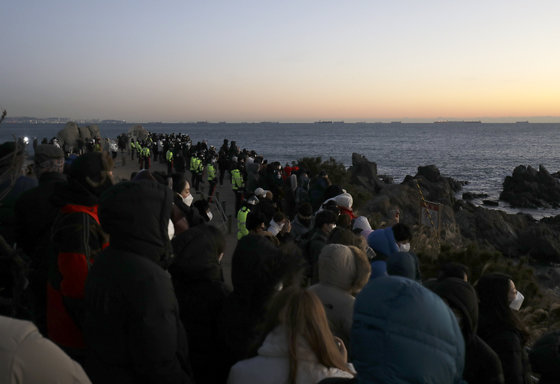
(337, 266)
(361, 222)
(136, 216)
(344, 200)
(196, 255)
(72, 192)
(383, 242)
(461, 295)
(403, 332)
(402, 264)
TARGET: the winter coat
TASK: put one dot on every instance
(337, 270)
(132, 326)
(482, 364)
(404, 333)
(271, 365)
(506, 342)
(383, 242)
(35, 215)
(404, 264)
(298, 228)
(257, 270)
(26, 357)
(201, 292)
(78, 239)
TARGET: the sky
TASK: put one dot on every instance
(287, 61)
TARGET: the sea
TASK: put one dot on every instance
(481, 154)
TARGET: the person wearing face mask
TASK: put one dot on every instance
(386, 242)
(183, 200)
(500, 326)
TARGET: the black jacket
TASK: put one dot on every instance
(133, 331)
(482, 364)
(201, 292)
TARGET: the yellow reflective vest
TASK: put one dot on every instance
(211, 170)
(236, 180)
(242, 222)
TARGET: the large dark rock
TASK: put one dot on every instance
(529, 188)
(138, 132)
(364, 173)
(73, 135)
(434, 187)
(492, 227)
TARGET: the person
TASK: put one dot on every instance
(303, 222)
(500, 327)
(35, 215)
(317, 188)
(384, 243)
(258, 271)
(298, 346)
(169, 160)
(343, 272)
(256, 223)
(243, 214)
(201, 292)
(132, 325)
(77, 239)
(545, 357)
(482, 364)
(212, 180)
(324, 224)
(237, 185)
(183, 200)
(404, 333)
(28, 357)
(277, 223)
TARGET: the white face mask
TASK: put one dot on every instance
(404, 247)
(516, 303)
(210, 216)
(188, 200)
(170, 230)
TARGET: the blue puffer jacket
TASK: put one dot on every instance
(404, 333)
(383, 242)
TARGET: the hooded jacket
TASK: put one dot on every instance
(404, 333)
(201, 292)
(482, 364)
(383, 242)
(132, 327)
(337, 275)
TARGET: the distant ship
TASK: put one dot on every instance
(458, 122)
(522, 122)
(324, 122)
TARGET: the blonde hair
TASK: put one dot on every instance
(302, 314)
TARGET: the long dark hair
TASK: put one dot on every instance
(493, 292)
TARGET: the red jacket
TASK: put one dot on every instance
(78, 238)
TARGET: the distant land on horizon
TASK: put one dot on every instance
(492, 120)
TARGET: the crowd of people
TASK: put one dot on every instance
(123, 283)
